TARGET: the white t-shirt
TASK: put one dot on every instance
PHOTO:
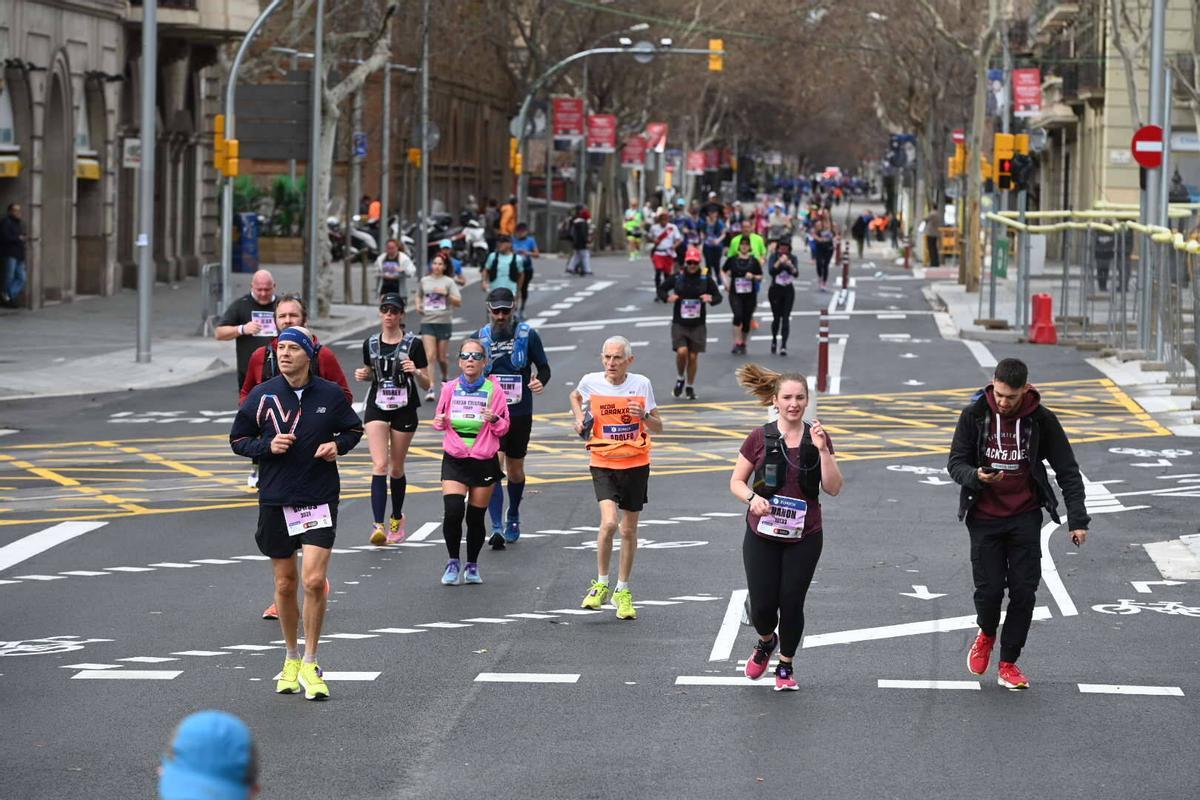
(594, 383)
(667, 244)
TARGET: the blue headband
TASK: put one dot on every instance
(296, 336)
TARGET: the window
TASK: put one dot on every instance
(83, 136)
(8, 126)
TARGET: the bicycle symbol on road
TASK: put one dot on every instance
(1172, 607)
(46, 646)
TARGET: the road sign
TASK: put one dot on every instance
(360, 144)
(1147, 146)
(643, 52)
(958, 136)
(1000, 258)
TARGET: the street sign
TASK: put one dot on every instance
(131, 153)
(568, 120)
(958, 136)
(1000, 258)
(643, 52)
(360, 144)
(1027, 92)
(1147, 146)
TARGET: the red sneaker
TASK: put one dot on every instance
(270, 612)
(981, 654)
(756, 665)
(1011, 677)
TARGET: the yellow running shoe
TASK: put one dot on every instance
(597, 596)
(314, 685)
(378, 537)
(623, 600)
(288, 682)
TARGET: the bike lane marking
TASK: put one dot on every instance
(29, 546)
(1051, 578)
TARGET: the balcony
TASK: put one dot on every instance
(219, 18)
(1052, 17)
(1081, 81)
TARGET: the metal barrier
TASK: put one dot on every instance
(210, 298)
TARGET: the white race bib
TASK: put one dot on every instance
(511, 384)
(267, 320)
(784, 279)
(306, 518)
(690, 309)
(389, 396)
(435, 301)
(743, 285)
(468, 407)
(786, 520)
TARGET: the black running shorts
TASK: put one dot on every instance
(272, 534)
(515, 443)
(626, 487)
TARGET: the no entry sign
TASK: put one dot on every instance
(1147, 146)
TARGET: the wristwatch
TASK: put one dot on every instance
(750, 497)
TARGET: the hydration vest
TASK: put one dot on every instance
(770, 474)
(514, 271)
(387, 368)
(520, 352)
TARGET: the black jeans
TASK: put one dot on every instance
(782, 298)
(778, 575)
(1006, 553)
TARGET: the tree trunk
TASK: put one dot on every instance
(970, 266)
(329, 121)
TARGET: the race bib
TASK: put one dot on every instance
(390, 397)
(306, 518)
(784, 279)
(468, 407)
(391, 269)
(267, 320)
(435, 301)
(743, 285)
(690, 309)
(786, 519)
(621, 432)
(511, 384)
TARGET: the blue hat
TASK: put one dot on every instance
(211, 758)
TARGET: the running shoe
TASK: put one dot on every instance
(396, 530)
(471, 574)
(288, 681)
(1011, 677)
(623, 600)
(756, 664)
(450, 576)
(270, 612)
(753, 324)
(512, 529)
(980, 654)
(378, 537)
(311, 678)
(691, 392)
(773, 344)
(784, 680)
(783, 351)
(734, 350)
(678, 390)
(597, 596)
(430, 395)
(496, 540)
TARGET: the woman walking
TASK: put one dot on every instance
(782, 294)
(742, 273)
(781, 468)
(436, 299)
(394, 362)
(823, 233)
(473, 412)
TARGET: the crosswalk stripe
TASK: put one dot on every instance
(398, 630)
(205, 653)
(128, 675)
(885, 683)
(526, 677)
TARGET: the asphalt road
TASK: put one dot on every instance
(149, 607)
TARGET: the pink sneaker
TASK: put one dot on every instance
(396, 531)
(784, 680)
(756, 665)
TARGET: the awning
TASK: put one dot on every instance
(87, 169)
(10, 166)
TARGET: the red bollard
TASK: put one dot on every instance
(823, 352)
(908, 255)
(1041, 329)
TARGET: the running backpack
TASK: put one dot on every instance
(770, 474)
(270, 367)
(520, 352)
(386, 367)
(514, 271)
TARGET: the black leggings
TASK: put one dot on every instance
(778, 574)
(742, 306)
(456, 508)
(823, 254)
(782, 298)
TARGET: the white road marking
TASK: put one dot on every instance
(39, 577)
(891, 316)
(904, 629)
(489, 620)
(885, 683)
(130, 569)
(658, 602)
(1174, 560)
(921, 592)
(582, 328)
(697, 598)
(214, 561)
(1143, 587)
(422, 533)
(849, 302)
(1106, 688)
(205, 653)
(549, 313)
(91, 666)
(174, 565)
(639, 344)
(560, 348)
(443, 625)
(576, 611)
(690, 519)
(1050, 577)
(719, 680)
(528, 615)
(149, 659)
(837, 356)
(398, 630)
(721, 514)
(84, 573)
(29, 546)
(653, 323)
(349, 636)
(251, 647)
(128, 675)
(727, 633)
(268, 558)
(527, 677)
(981, 353)
(350, 676)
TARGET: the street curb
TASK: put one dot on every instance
(938, 304)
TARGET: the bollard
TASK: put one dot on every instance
(908, 255)
(846, 266)
(1042, 330)
(823, 352)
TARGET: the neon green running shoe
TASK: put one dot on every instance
(597, 596)
(378, 537)
(623, 600)
(288, 682)
(311, 679)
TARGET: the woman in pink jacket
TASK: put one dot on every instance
(473, 412)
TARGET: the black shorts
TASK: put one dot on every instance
(272, 534)
(471, 472)
(515, 443)
(403, 420)
(626, 487)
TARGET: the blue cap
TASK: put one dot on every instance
(210, 758)
(446, 244)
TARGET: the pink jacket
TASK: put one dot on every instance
(487, 443)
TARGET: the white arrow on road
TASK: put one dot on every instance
(937, 481)
(914, 382)
(908, 355)
(1143, 587)
(921, 592)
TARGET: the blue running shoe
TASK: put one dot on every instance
(471, 574)
(450, 576)
(512, 531)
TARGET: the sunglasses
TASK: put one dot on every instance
(692, 263)
(390, 310)
(471, 356)
(501, 311)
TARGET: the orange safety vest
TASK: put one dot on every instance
(618, 439)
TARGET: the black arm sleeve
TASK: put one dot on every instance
(537, 355)
(1058, 452)
(714, 289)
(962, 463)
(664, 289)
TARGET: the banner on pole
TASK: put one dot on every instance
(695, 162)
(602, 133)
(1027, 92)
(568, 118)
(656, 134)
(633, 154)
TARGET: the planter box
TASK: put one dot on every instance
(281, 250)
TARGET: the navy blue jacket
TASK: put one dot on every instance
(295, 478)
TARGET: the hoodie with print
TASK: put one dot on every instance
(1006, 449)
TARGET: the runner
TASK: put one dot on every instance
(742, 272)
(580, 262)
(298, 491)
(713, 230)
(783, 270)
(634, 223)
(394, 268)
(619, 417)
(758, 245)
(525, 245)
(395, 364)
(473, 412)
(823, 233)
(999, 445)
(250, 320)
(664, 238)
(790, 461)
(691, 291)
(503, 269)
(513, 350)
(436, 299)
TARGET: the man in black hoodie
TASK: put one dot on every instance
(1001, 440)
(297, 425)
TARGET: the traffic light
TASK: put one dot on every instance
(231, 158)
(414, 156)
(1021, 144)
(1003, 155)
(957, 163)
(716, 61)
(513, 151)
(219, 143)
(518, 163)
